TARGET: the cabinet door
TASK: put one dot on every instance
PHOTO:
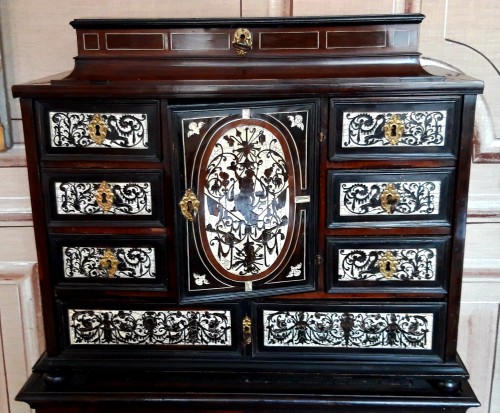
(245, 198)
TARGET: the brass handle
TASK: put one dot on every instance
(97, 129)
(247, 331)
(189, 205)
(242, 41)
(389, 198)
(104, 196)
(394, 129)
(388, 264)
(109, 262)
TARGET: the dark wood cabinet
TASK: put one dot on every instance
(250, 215)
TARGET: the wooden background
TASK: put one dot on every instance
(37, 41)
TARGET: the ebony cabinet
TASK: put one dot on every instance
(278, 202)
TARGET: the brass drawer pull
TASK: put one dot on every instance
(388, 265)
(97, 129)
(189, 205)
(394, 129)
(109, 262)
(242, 41)
(247, 331)
(104, 196)
(389, 198)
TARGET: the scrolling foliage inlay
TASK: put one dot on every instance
(70, 130)
(426, 128)
(417, 264)
(348, 330)
(150, 327)
(85, 262)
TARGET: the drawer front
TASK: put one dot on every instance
(381, 128)
(389, 197)
(89, 130)
(339, 329)
(90, 197)
(109, 261)
(387, 264)
(138, 327)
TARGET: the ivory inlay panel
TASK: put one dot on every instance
(413, 264)
(150, 327)
(87, 262)
(365, 129)
(126, 131)
(348, 329)
(79, 198)
(416, 198)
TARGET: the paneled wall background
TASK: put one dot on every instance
(37, 41)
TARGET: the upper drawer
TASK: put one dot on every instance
(103, 197)
(389, 198)
(89, 130)
(393, 128)
(109, 261)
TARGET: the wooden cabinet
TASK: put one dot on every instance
(263, 201)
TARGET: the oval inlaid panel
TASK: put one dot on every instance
(246, 191)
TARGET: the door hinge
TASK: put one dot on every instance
(322, 137)
(319, 259)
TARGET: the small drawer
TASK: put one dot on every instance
(341, 330)
(94, 130)
(393, 128)
(92, 198)
(109, 262)
(389, 197)
(136, 327)
(387, 264)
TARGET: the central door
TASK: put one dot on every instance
(245, 199)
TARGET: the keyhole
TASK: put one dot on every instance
(242, 38)
(97, 131)
(388, 266)
(104, 198)
(393, 130)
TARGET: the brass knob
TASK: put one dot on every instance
(189, 205)
(389, 198)
(394, 129)
(388, 264)
(109, 262)
(104, 196)
(97, 129)
(242, 41)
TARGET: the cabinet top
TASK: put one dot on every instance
(250, 22)
(249, 39)
(238, 55)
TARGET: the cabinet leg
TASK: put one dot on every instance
(448, 386)
(56, 378)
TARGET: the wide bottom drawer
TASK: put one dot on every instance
(283, 330)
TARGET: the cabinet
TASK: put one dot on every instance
(233, 208)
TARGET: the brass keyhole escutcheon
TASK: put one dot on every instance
(109, 262)
(104, 196)
(388, 265)
(189, 205)
(247, 331)
(97, 129)
(394, 129)
(242, 41)
(389, 199)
